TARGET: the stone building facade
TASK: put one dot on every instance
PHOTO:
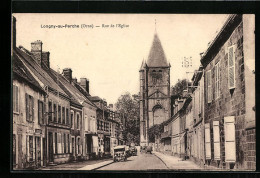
(154, 90)
(229, 98)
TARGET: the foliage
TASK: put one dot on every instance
(178, 88)
(155, 130)
(128, 107)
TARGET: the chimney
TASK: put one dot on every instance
(13, 32)
(46, 59)
(74, 80)
(67, 73)
(36, 50)
(84, 82)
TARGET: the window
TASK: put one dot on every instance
(67, 116)
(56, 143)
(65, 148)
(59, 142)
(30, 148)
(72, 119)
(216, 140)
(217, 80)
(207, 141)
(55, 112)
(209, 88)
(231, 67)
(77, 121)
(59, 114)
(230, 139)
(15, 99)
(63, 115)
(50, 111)
(29, 107)
(40, 112)
(68, 145)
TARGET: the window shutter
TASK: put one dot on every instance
(27, 106)
(18, 99)
(14, 109)
(207, 141)
(209, 86)
(39, 112)
(216, 140)
(32, 109)
(231, 67)
(230, 140)
(43, 111)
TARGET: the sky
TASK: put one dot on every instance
(111, 57)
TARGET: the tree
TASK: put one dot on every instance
(128, 107)
(178, 88)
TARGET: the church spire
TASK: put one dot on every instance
(157, 56)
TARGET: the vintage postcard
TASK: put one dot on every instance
(133, 92)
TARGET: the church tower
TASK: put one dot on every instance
(154, 90)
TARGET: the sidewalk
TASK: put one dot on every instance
(97, 165)
(176, 163)
(82, 165)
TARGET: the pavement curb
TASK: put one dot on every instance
(161, 160)
(102, 166)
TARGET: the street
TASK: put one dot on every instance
(140, 162)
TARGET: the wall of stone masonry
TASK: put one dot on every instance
(230, 103)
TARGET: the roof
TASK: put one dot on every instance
(156, 56)
(20, 70)
(231, 23)
(42, 76)
(76, 96)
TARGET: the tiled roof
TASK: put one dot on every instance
(36, 69)
(156, 56)
(76, 96)
(19, 70)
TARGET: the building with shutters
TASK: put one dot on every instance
(230, 95)
(197, 122)
(29, 118)
(103, 126)
(155, 98)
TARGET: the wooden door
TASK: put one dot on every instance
(20, 152)
(50, 147)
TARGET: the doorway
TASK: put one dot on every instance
(50, 144)
(38, 151)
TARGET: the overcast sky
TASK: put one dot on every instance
(111, 57)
